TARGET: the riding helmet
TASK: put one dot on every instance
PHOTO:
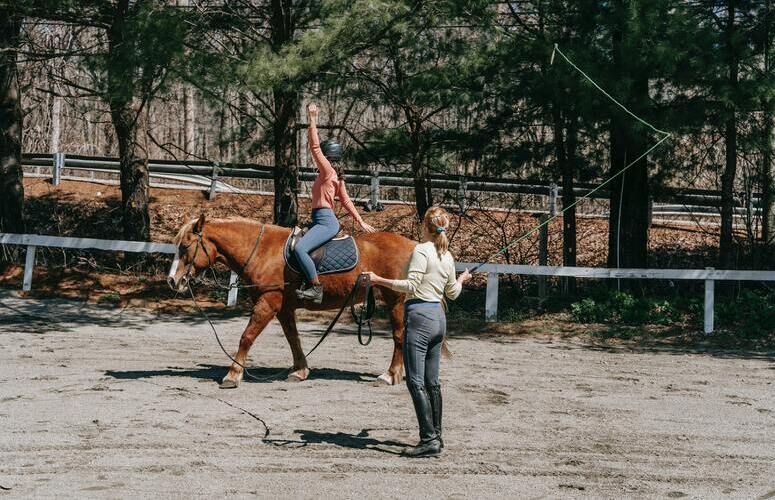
(332, 149)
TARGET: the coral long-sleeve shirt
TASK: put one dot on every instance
(328, 186)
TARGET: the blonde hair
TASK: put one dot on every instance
(436, 222)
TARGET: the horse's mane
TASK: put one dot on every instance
(188, 225)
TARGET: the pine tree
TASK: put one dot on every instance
(11, 186)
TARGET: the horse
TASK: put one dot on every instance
(255, 251)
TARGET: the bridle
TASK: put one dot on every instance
(199, 244)
(210, 261)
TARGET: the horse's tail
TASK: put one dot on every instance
(445, 352)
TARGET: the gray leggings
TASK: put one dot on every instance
(325, 225)
(426, 325)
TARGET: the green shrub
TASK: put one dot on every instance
(589, 311)
(623, 307)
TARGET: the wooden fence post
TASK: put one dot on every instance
(709, 306)
(29, 266)
(233, 290)
(213, 183)
(374, 195)
(543, 254)
(553, 191)
(462, 193)
(56, 171)
(491, 298)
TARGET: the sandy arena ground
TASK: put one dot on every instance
(96, 402)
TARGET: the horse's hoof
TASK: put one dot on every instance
(229, 384)
(298, 376)
(385, 379)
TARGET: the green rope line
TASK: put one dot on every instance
(598, 87)
(665, 137)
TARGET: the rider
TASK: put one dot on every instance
(430, 277)
(329, 184)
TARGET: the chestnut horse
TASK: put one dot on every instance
(271, 284)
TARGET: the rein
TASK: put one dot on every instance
(363, 317)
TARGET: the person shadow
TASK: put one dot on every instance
(360, 441)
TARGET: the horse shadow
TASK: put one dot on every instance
(360, 441)
(217, 372)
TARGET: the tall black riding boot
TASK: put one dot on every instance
(429, 444)
(434, 393)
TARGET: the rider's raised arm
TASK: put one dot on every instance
(317, 154)
(344, 199)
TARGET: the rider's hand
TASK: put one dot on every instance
(464, 277)
(312, 111)
(368, 228)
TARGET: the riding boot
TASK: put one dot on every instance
(314, 293)
(434, 393)
(429, 444)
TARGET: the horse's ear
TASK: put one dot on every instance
(200, 224)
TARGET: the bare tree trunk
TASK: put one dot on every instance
(286, 170)
(189, 120)
(422, 190)
(11, 185)
(768, 145)
(56, 128)
(727, 256)
(129, 120)
(566, 156)
(629, 201)
(768, 174)
(286, 108)
(420, 173)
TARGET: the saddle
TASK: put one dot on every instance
(335, 256)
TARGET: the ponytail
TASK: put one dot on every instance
(436, 222)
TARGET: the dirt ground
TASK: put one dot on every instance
(104, 402)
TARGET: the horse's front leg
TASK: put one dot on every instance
(287, 318)
(263, 311)
(395, 372)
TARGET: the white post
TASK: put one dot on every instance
(232, 300)
(29, 266)
(491, 298)
(553, 191)
(709, 296)
(56, 172)
(213, 183)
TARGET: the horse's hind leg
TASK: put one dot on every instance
(395, 372)
(287, 318)
(263, 311)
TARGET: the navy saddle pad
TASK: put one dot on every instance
(337, 256)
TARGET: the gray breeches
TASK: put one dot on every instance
(426, 325)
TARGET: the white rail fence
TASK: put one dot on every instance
(708, 275)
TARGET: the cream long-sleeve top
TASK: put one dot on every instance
(429, 277)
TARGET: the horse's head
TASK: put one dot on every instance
(195, 254)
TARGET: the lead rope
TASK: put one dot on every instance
(666, 136)
(369, 307)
